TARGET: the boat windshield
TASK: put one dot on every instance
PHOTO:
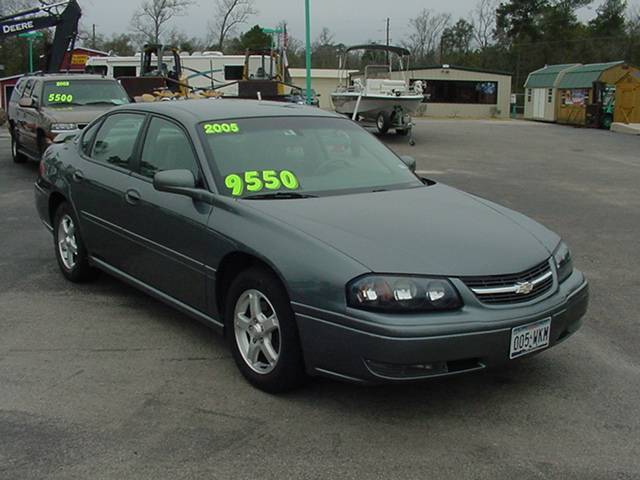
(377, 71)
(300, 157)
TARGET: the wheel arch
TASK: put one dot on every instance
(55, 200)
(231, 265)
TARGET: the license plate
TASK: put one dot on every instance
(530, 338)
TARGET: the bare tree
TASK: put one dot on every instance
(426, 30)
(483, 19)
(151, 18)
(229, 14)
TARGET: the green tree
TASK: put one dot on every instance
(610, 19)
(517, 20)
(456, 41)
(253, 39)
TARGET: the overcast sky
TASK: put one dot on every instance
(351, 21)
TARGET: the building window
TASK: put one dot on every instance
(454, 91)
(529, 95)
(96, 69)
(550, 95)
(124, 71)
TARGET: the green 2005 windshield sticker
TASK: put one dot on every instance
(60, 98)
(64, 83)
(216, 128)
(256, 181)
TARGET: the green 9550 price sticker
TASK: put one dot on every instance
(257, 180)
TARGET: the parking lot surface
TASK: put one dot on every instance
(99, 381)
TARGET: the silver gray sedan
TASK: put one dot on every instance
(313, 247)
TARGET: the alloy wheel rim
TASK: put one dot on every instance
(67, 242)
(380, 122)
(257, 331)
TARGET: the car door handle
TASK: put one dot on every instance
(132, 197)
(78, 176)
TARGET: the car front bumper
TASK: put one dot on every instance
(347, 348)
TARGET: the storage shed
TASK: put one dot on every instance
(582, 90)
(541, 92)
(627, 109)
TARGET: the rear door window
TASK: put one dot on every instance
(116, 140)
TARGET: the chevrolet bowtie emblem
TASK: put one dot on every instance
(524, 288)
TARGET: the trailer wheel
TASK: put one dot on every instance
(383, 122)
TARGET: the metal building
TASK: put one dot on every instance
(461, 92)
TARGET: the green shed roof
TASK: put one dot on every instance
(546, 77)
(585, 75)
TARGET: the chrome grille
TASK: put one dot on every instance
(512, 288)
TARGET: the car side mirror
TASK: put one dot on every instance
(27, 102)
(174, 181)
(181, 182)
(409, 161)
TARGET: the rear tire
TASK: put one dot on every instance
(71, 252)
(15, 153)
(262, 332)
(383, 122)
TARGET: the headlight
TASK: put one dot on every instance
(63, 127)
(402, 294)
(563, 261)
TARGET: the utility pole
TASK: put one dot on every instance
(308, 47)
(388, 40)
(93, 37)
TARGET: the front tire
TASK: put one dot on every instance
(71, 253)
(262, 332)
(15, 150)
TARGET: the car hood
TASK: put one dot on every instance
(435, 230)
(75, 114)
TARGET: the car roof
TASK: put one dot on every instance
(70, 76)
(195, 111)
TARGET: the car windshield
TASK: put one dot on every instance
(62, 93)
(297, 157)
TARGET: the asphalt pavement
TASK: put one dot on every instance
(99, 381)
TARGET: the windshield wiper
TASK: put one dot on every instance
(65, 104)
(99, 102)
(279, 196)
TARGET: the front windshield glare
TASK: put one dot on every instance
(83, 92)
(304, 155)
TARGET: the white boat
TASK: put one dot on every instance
(373, 96)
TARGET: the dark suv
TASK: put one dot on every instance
(44, 106)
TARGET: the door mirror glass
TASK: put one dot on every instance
(175, 181)
(27, 102)
(409, 161)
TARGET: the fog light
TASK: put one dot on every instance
(418, 370)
